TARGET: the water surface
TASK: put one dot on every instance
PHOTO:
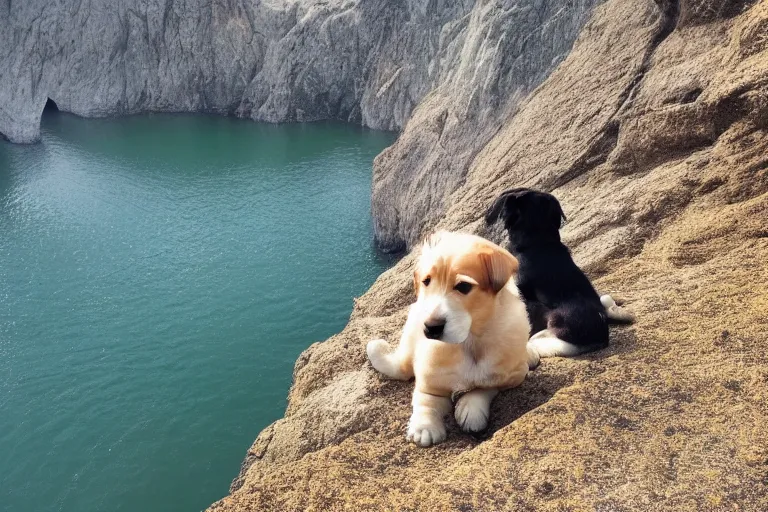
(159, 275)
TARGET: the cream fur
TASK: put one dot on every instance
(487, 333)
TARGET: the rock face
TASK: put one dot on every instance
(653, 132)
(274, 61)
(369, 62)
(490, 60)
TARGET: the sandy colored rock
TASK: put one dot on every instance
(653, 132)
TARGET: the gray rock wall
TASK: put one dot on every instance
(363, 61)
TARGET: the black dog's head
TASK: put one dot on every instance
(527, 213)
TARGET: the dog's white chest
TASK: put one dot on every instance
(475, 374)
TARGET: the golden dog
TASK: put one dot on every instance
(467, 332)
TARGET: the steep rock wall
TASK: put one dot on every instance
(368, 62)
(275, 61)
(493, 59)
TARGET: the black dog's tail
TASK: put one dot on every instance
(615, 313)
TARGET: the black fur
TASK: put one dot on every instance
(557, 294)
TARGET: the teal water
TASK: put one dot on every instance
(159, 275)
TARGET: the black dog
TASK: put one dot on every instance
(567, 315)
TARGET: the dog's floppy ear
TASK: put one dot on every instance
(505, 206)
(499, 266)
(494, 211)
(429, 242)
(550, 210)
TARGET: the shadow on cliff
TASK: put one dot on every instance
(50, 106)
(553, 375)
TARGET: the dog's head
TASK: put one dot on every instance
(457, 279)
(528, 212)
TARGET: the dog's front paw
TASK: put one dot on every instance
(472, 411)
(377, 351)
(425, 431)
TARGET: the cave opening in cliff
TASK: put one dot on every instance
(51, 106)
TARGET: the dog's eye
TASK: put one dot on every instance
(463, 287)
(426, 281)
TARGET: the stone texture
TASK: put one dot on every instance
(491, 60)
(298, 60)
(654, 134)
(368, 62)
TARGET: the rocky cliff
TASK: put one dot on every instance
(653, 131)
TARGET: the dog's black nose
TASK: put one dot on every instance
(434, 331)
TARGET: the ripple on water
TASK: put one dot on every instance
(159, 276)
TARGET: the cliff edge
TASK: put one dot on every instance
(653, 132)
